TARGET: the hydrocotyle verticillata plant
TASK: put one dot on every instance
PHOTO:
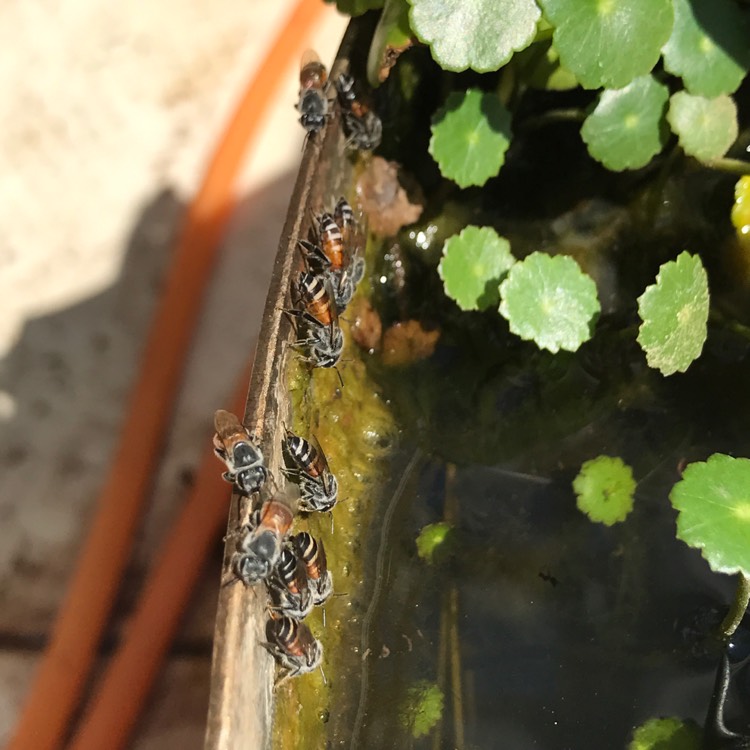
(662, 74)
(713, 504)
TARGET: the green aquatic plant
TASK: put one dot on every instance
(422, 708)
(605, 488)
(432, 539)
(653, 85)
(714, 517)
(666, 734)
(674, 312)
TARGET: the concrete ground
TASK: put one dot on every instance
(110, 112)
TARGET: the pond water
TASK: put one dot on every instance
(540, 628)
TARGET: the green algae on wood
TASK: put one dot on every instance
(353, 426)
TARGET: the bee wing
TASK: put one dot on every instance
(309, 56)
(321, 452)
(332, 297)
(227, 424)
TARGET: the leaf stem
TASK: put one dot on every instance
(555, 115)
(732, 166)
(738, 608)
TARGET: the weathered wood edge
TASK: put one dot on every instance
(240, 712)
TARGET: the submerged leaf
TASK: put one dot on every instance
(549, 300)
(706, 128)
(481, 34)
(713, 502)
(422, 708)
(474, 263)
(627, 128)
(666, 734)
(709, 46)
(431, 539)
(605, 488)
(609, 42)
(470, 135)
(674, 312)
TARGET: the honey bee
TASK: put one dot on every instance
(322, 339)
(294, 647)
(262, 541)
(336, 257)
(234, 445)
(313, 555)
(313, 102)
(290, 587)
(362, 126)
(318, 485)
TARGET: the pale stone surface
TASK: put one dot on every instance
(110, 112)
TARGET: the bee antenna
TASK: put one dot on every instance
(229, 581)
(323, 674)
(341, 380)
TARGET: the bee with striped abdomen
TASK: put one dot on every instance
(294, 647)
(290, 587)
(321, 338)
(318, 485)
(362, 126)
(312, 553)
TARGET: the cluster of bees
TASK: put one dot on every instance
(362, 126)
(294, 566)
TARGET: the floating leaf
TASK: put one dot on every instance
(549, 300)
(356, 7)
(431, 539)
(674, 312)
(422, 708)
(470, 135)
(706, 128)
(392, 37)
(626, 129)
(481, 34)
(605, 488)
(713, 503)
(473, 265)
(709, 46)
(667, 734)
(609, 42)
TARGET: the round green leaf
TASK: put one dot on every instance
(706, 128)
(478, 34)
(473, 264)
(605, 488)
(713, 504)
(674, 312)
(549, 300)
(431, 539)
(422, 707)
(470, 135)
(709, 46)
(626, 129)
(609, 42)
(666, 734)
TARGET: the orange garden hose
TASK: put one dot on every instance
(67, 661)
